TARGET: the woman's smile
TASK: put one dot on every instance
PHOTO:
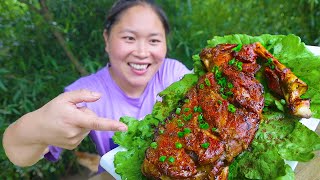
(138, 69)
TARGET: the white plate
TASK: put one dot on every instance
(106, 160)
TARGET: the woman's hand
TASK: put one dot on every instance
(66, 125)
(59, 122)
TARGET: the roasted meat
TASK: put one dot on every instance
(285, 83)
(216, 121)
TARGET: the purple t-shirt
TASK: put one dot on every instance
(114, 103)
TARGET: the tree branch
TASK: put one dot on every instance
(48, 17)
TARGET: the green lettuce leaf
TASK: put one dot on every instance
(280, 136)
(140, 133)
(300, 144)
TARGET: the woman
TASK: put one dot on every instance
(135, 41)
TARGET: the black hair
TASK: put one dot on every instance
(121, 5)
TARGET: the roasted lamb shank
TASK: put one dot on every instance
(218, 118)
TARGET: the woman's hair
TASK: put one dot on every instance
(121, 6)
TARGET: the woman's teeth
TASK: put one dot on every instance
(138, 66)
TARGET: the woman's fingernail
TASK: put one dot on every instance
(123, 128)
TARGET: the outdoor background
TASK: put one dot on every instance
(46, 45)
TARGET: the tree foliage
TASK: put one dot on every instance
(36, 64)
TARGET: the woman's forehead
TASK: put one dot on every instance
(140, 17)
(139, 11)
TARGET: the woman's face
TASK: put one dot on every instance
(136, 47)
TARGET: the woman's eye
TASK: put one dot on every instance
(154, 41)
(129, 38)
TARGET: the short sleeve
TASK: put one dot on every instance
(53, 154)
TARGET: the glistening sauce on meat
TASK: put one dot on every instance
(219, 116)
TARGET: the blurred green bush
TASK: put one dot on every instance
(34, 67)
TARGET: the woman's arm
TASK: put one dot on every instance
(59, 123)
(20, 141)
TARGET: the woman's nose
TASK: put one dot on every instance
(141, 50)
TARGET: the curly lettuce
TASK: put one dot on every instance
(280, 136)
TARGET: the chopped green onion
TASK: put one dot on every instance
(279, 105)
(224, 96)
(196, 57)
(269, 61)
(239, 65)
(180, 124)
(229, 93)
(186, 109)
(200, 117)
(219, 101)
(218, 74)
(161, 131)
(186, 100)
(180, 134)
(272, 66)
(232, 61)
(230, 85)
(171, 159)
(207, 81)
(154, 145)
(231, 108)
(187, 130)
(187, 118)
(205, 145)
(201, 86)
(214, 129)
(178, 110)
(215, 69)
(195, 109)
(238, 48)
(162, 158)
(222, 82)
(204, 126)
(178, 145)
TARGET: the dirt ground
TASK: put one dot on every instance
(83, 175)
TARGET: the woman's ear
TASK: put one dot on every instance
(105, 37)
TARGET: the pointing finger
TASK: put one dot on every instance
(79, 96)
(101, 124)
